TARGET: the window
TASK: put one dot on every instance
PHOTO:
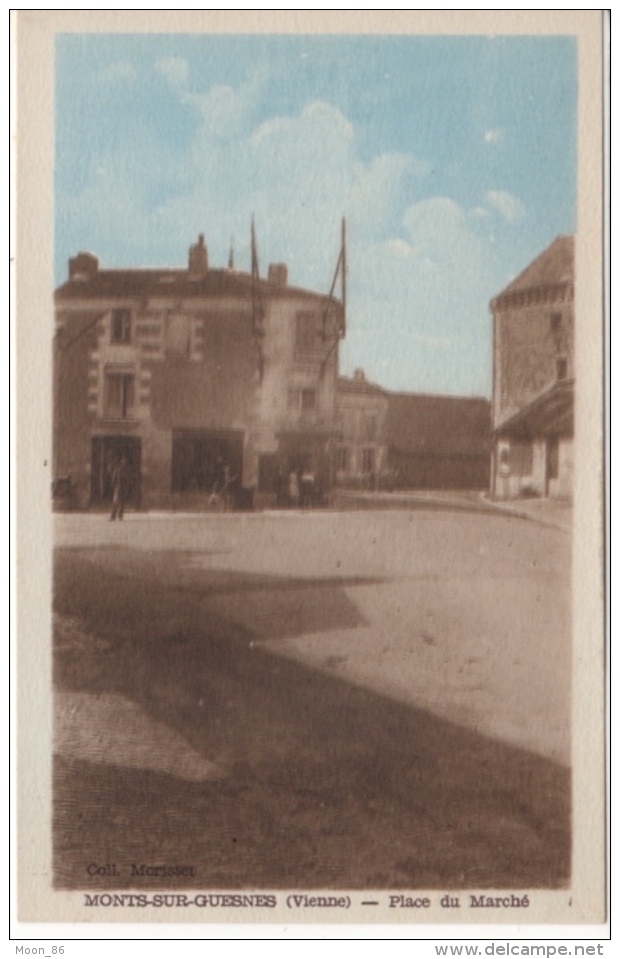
(304, 400)
(309, 334)
(371, 427)
(308, 400)
(121, 326)
(178, 339)
(561, 368)
(368, 460)
(555, 322)
(119, 395)
(342, 459)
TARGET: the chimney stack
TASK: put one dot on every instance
(198, 258)
(278, 274)
(83, 266)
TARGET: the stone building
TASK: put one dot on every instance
(438, 442)
(361, 408)
(410, 440)
(186, 371)
(533, 378)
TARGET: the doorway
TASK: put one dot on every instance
(200, 458)
(107, 451)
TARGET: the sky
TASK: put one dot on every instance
(453, 160)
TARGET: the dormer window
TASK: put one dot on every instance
(121, 326)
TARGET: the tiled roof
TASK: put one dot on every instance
(173, 283)
(549, 413)
(443, 425)
(554, 266)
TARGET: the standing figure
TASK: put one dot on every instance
(293, 489)
(119, 488)
(307, 488)
(228, 482)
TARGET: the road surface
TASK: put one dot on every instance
(314, 700)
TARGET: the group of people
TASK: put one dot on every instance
(301, 488)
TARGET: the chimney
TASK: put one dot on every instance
(278, 274)
(83, 266)
(359, 376)
(198, 258)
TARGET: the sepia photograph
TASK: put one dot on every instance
(315, 475)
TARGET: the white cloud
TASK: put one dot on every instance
(319, 135)
(417, 272)
(510, 208)
(174, 69)
(422, 290)
(494, 136)
(225, 112)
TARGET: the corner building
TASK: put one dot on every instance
(185, 371)
(534, 378)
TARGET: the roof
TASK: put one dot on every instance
(351, 384)
(553, 267)
(173, 283)
(443, 425)
(550, 413)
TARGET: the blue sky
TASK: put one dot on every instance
(453, 159)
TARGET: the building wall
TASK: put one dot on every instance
(188, 367)
(291, 371)
(438, 471)
(360, 455)
(563, 486)
(533, 350)
(534, 336)
(75, 340)
(525, 467)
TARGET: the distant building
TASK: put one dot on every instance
(533, 378)
(410, 440)
(361, 409)
(186, 372)
(438, 442)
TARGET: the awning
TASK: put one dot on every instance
(550, 414)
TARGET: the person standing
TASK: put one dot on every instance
(228, 488)
(293, 489)
(119, 488)
(307, 488)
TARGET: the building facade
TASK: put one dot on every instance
(438, 442)
(361, 408)
(186, 372)
(391, 440)
(533, 378)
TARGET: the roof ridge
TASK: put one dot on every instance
(516, 283)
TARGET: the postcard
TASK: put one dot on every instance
(310, 440)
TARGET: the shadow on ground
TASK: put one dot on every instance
(322, 784)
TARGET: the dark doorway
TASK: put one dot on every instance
(553, 460)
(107, 451)
(199, 458)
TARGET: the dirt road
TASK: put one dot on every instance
(317, 700)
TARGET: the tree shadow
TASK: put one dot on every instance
(324, 784)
